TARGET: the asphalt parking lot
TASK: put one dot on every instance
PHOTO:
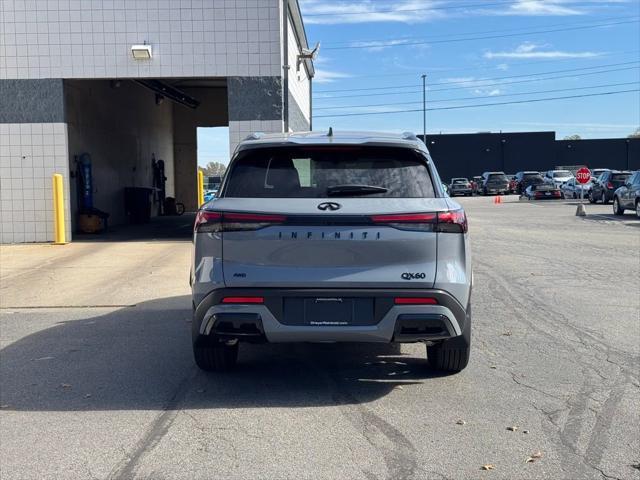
(97, 378)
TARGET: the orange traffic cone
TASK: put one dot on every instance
(497, 199)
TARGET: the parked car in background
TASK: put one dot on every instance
(460, 186)
(605, 186)
(524, 179)
(573, 189)
(543, 191)
(476, 182)
(596, 172)
(494, 182)
(627, 196)
(557, 177)
(210, 195)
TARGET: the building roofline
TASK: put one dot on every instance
(300, 32)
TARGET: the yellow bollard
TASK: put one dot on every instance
(58, 210)
(200, 188)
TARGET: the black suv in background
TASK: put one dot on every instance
(524, 179)
(494, 182)
(605, 186)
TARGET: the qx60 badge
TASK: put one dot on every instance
(413, 276)
(330, 206)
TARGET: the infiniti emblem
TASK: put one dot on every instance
(331, 206)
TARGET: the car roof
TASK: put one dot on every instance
(406, 140)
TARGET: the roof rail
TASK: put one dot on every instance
(254, 136)
(409, 136)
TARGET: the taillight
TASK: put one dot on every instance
(415, 301)
(207, 221)
(610, 185)
(424, 222)
(252, 300)
(454, 221)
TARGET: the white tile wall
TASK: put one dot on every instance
(92, 38)
(30, 153)
(239, 130)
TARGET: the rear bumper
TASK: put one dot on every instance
(392, 323)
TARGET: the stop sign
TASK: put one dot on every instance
(583, 175)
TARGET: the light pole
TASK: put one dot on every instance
(424, 108)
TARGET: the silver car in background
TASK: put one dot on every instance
(345, 237)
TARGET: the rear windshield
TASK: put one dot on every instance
(531, 175)
(463, 181)
(561, 173)
(319, 172)
(497, 176)
(620, 177)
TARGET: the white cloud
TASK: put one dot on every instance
(329, 76)
(370, 11)
(532, 50)
(543, 8)
(502, 66)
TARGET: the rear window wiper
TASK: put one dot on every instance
(346, 190)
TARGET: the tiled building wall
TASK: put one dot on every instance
(30, 153)
(238, 130)
(92, 38)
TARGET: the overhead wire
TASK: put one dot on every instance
(458, 107)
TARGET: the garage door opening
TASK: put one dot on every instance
(133, 154)
(213, 157)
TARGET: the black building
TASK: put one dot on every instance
(469, 154)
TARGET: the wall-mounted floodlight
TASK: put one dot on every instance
(141, 52)
(307, 54)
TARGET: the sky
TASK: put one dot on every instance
(474, 52)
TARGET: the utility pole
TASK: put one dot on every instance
(424, 108)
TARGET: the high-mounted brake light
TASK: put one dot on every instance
(208, 221)
(252, 300)
(415, 301)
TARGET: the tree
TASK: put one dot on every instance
(635, 134)
(214, 169)
(573, 137)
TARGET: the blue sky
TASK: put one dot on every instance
(473, 52)
(447, 41)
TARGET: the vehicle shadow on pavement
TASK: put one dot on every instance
(139, 358)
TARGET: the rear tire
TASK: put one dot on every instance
(216, 356)
(617, 209)
(638, 208)
(452, 355)
(591, 199)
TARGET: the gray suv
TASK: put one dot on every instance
(331, 238)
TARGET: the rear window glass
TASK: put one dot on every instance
(620, 177)
(561, 173)
(497, 176)
(316, 172)
(462, 181)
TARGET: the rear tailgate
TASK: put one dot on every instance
(353, 247)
